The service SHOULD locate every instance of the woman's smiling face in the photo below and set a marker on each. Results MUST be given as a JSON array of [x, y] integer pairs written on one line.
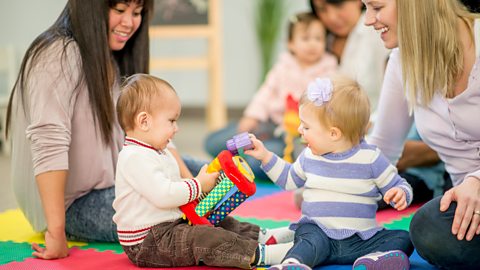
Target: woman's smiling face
[[123, 21], [382, 16]]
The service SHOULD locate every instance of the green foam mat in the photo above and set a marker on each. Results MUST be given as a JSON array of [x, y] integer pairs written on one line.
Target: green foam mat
[[265, 223], [14, 252], [100, 246], [402, 224]]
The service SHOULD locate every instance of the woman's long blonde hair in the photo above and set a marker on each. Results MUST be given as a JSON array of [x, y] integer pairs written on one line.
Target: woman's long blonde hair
[[430, 47]]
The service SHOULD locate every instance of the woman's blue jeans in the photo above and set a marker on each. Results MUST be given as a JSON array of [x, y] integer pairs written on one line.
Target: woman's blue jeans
[[431, 233]]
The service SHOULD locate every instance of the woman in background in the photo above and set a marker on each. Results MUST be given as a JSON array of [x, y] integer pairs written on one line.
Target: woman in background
[[361, 55], [305, 60]]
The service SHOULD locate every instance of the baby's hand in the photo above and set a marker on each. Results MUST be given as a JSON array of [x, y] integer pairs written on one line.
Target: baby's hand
[[259, 151], [396, 197], [207, 180]]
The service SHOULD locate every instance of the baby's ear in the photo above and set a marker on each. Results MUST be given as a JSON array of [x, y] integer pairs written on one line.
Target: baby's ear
[[335, 133], [142, 121]]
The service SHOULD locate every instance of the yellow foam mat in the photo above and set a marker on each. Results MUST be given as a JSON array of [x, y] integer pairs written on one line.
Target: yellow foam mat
[[15, 227]]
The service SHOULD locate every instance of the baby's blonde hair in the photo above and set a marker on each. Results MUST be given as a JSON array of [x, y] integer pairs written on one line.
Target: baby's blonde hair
[[138, 93], [348, 108]]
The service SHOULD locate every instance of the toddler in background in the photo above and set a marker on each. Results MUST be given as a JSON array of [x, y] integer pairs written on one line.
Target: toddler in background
[[343, 177], [305, 60], [149, 192]]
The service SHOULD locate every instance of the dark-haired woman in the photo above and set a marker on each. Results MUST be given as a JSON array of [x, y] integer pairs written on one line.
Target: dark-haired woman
[[361, 54], [62, 119]]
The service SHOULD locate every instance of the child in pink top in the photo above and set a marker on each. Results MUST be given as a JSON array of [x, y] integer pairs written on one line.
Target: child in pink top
[[305, 60]]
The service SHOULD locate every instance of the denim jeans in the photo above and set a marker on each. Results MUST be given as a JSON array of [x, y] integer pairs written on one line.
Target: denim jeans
[[431, 233], [89, 218], [177, 244], [193, 164], [216, 142], [313, 247]]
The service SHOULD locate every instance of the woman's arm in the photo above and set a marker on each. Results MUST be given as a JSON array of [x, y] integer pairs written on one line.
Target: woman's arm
[[184, 171], [247, 124], [51, 93], [51, 186], [416, 154], [393, 119]]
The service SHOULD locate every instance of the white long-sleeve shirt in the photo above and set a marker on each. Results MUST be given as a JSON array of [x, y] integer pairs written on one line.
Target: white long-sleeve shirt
[[450, 126], [148, 190]]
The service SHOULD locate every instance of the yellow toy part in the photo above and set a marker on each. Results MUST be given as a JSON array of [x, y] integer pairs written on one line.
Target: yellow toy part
[[214, 166], [243, 167], [291, 122]]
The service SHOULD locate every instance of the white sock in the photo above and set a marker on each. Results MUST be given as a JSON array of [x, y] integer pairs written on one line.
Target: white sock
[[275, 236], [273, 254]]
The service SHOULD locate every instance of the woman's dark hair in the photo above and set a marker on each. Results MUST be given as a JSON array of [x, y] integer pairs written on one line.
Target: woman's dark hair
[[86, 23], [332, 2], [472, 5]]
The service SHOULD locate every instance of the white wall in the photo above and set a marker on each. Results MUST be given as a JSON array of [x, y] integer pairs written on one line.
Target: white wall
[[23, 20]]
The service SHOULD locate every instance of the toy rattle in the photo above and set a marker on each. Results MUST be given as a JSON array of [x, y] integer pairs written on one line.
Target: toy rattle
[[239, 143], [234, 185]]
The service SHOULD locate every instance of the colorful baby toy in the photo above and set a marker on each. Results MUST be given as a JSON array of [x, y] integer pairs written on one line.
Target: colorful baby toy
[[291, 121], [234, 185]]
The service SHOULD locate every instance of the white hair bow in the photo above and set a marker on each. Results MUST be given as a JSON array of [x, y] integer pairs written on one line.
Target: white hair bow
[[320, 91]]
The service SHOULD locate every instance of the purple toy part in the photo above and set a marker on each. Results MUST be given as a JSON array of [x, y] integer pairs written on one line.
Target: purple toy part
[[239, 141]]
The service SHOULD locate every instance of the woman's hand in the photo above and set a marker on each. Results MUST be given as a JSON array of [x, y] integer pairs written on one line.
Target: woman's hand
[[51, 186], [467, 195], [55, 246], [247, 124]]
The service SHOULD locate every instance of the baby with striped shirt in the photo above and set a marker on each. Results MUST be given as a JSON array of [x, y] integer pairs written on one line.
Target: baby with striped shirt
[[343, 177]]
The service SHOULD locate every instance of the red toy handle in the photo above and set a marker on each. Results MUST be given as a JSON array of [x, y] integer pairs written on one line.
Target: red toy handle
[[236, 170]]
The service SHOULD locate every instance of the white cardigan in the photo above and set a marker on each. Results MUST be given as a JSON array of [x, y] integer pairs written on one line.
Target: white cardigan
[[148, 191], [364, 59]]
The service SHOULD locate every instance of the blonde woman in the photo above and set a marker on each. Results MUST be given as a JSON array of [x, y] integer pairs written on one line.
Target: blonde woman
[[434, 77]]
